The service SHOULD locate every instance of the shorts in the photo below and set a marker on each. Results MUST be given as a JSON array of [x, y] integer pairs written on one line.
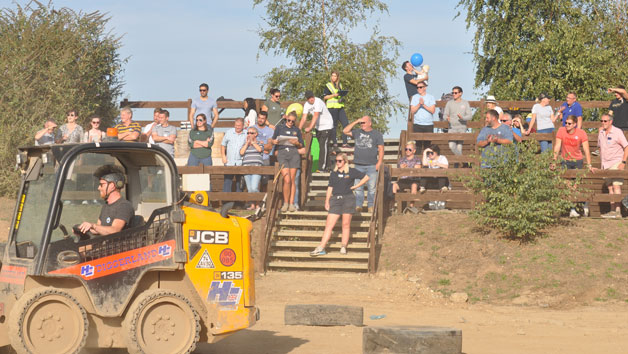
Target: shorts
[[289, 157], [342, 204], [404, 183], [614, 181]]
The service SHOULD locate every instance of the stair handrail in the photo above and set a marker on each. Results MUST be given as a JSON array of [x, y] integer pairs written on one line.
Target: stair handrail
[[306, 170], [273, 202], [376, 224]]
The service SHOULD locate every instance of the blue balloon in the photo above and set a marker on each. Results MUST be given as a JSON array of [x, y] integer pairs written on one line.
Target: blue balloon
[[416, 59]]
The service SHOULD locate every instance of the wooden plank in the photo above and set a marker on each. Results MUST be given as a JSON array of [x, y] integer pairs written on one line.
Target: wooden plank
[[235, 196], [317, 234], [434, 195], [330, 255], [318, 223], [318, 214], [228, 170], [313, 244], [430, 172], [319, 265]]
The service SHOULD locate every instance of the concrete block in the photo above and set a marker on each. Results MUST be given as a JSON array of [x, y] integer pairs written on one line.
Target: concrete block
[[323, 315], [411, 340]]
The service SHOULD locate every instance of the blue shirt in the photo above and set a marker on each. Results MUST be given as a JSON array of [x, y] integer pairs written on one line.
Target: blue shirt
[[234, 142], [422, 116], [264, 134], [574, 110], [493, 150], [206, 107]]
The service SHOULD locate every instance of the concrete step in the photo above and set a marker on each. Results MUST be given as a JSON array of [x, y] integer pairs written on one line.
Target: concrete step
[[317, 234], [312, 244], [363, 266], [329, 255]]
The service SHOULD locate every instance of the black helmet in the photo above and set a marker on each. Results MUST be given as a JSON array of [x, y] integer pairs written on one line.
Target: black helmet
[[111, 173]]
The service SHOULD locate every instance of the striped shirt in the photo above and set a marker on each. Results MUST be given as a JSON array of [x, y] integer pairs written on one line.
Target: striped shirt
[[132, 127], [252, 157]]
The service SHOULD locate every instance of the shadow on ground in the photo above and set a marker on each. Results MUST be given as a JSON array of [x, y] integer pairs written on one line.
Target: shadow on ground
[[252, 341]]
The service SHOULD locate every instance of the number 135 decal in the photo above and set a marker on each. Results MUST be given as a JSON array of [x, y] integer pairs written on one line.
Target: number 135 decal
[[227, 275]]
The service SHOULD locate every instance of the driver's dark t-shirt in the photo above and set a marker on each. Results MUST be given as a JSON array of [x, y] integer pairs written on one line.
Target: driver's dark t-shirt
[[120, 209]]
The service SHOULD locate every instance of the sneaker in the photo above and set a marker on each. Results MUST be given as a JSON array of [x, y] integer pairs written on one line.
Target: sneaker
[[574, 214], [343, 250], [596, 152], [422, 190], [318, 251], [610, 215], [292, 208], [284, 208], [585, 211]]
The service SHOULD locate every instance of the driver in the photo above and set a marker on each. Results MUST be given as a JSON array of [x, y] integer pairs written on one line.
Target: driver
[[117, 213]]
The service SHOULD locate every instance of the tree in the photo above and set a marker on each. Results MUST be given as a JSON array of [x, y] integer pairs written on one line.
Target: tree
[[52, 60], [314, 36], [525, 47]]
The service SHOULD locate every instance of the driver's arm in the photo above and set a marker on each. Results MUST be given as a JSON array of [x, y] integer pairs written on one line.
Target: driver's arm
[[97, 229]]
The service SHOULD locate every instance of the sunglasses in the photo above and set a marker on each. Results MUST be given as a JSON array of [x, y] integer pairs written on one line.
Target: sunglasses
[[409, 149], [605, 120], [200, 120], [421, 86], [341, 160], [455, 92], [277, 96], [95, 122], [504, 120], [251, 133], [203, 90], [430, 152], [290, 120], [362, 122], [568, 123]]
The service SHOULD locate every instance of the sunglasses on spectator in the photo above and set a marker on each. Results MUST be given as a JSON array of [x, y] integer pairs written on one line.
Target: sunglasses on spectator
[[605, 120], [421, 86], [504, 120], [409, 149], [455, 92], [200, 119], [569, 123], [290, 120], [341, 160], [250, 133], [277, 96], [203, 90], [95, 122]]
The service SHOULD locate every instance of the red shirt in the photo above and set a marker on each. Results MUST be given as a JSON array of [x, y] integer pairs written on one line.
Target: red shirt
[[570, 146]]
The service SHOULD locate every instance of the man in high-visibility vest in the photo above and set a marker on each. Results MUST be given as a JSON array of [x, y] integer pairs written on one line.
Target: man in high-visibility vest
[[336, 107]]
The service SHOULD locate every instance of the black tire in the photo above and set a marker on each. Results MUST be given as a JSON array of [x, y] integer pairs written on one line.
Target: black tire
[[47, 320], [161, 321]]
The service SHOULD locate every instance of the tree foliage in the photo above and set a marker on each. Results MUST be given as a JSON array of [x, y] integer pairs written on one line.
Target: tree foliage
[[314, 36], [524, 47], [52, 60], [521, 193]]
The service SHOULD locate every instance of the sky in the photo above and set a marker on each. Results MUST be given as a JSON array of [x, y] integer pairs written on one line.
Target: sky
[[173, 46]]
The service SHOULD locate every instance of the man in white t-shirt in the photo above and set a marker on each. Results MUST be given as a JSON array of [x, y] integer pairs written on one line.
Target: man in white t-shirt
[[322, 119], [147, 131]]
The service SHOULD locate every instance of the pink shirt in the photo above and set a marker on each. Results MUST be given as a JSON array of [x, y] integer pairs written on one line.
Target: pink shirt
[[611, 146]]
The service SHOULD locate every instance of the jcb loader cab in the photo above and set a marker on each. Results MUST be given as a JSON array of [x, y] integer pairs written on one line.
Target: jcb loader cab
[[176, 274]]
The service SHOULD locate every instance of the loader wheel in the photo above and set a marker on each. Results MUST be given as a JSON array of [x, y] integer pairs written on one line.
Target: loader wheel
[[161, 321], [47, 320]]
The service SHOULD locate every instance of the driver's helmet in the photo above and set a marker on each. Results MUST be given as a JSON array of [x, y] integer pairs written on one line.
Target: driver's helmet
[[111, 173]]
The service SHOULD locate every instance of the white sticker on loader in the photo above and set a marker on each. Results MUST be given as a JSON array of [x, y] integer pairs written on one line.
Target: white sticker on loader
[[205, 262]]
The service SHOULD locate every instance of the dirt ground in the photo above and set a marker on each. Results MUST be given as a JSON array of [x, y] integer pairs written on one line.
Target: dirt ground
[[566, 292]]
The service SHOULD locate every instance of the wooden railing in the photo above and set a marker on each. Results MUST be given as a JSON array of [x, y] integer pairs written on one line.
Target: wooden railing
[[306, 168], [376, 224]]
